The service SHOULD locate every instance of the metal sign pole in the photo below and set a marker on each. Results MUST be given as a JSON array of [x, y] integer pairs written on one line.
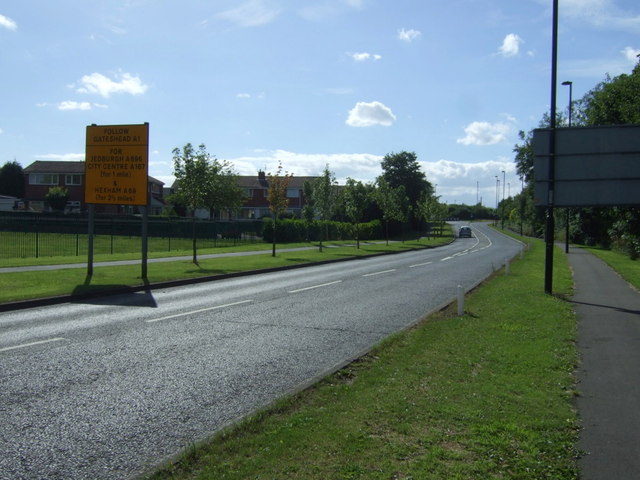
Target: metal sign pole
[[145, 242], [550, 226], [90, 233]]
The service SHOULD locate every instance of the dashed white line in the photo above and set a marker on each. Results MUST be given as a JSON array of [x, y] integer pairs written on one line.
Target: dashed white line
[[314, 286], [446, 258], [420, 264], [183, 314], [31, 344], [378, 273]]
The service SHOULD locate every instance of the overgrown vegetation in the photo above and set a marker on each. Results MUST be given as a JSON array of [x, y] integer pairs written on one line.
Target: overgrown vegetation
[[485, 395]]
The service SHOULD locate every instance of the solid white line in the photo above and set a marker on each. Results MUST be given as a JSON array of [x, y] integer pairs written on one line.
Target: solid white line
[[24, 345], [420, 264], [314, 286], [198, 311], [378, 273]]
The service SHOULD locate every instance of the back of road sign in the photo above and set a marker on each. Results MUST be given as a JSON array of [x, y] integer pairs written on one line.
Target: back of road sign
[[594, 166]]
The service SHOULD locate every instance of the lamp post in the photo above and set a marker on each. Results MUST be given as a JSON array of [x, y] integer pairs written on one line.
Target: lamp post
[[503, 185], [568, 211], [497, 188]]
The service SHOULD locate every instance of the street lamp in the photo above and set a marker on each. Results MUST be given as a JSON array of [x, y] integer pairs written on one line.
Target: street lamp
[[566, 232], [503, 184], [497, 188]]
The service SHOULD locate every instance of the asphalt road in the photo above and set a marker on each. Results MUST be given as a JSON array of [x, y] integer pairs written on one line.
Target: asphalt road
[[108, 388]]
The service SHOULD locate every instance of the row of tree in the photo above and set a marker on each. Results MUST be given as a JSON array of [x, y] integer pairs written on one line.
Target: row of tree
[[614, 101]]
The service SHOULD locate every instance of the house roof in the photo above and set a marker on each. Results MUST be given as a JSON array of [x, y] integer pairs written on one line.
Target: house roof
[[43, 166], [252, 181]]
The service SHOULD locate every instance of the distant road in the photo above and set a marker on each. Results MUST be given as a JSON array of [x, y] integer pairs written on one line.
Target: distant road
[[108, 388]]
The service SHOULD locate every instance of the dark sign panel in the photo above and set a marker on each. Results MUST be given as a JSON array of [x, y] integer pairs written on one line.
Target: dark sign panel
[[594, 166]]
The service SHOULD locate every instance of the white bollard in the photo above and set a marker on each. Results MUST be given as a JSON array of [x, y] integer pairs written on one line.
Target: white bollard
[[460, 300]]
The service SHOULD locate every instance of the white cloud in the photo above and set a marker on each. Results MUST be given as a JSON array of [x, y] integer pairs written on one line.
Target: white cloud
[[1, 131], [408, 35], [65, 157], [510, 45], [243, 95], [71, 105], [631, 54], [485, 133], [99, 84], [250, 14], [370, 114], [603, 14], [7, 23], [364, 56]]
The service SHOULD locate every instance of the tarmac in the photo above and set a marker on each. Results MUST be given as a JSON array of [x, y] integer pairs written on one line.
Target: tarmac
[[608, 376]]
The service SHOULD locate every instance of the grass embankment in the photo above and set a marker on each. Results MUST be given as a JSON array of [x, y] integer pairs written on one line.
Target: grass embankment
[[621, 263], [38, 284], [485, 395]]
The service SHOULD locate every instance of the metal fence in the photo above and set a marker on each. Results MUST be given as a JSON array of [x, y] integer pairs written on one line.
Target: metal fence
[[25, 236]]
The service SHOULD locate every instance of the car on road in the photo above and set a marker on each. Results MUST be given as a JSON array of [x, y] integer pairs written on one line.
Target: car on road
[[465, 231]]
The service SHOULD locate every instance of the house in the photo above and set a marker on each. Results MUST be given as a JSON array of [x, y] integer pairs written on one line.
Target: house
[[41, 175], [256, 204]]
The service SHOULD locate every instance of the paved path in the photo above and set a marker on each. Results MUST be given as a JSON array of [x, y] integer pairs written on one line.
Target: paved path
[[608, 311]]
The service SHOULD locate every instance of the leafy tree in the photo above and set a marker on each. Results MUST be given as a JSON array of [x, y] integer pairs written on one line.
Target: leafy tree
[[403, 169], [191, 169], [277, 197], [355, 201], [12, 180], [57, 198], [390, 201], [612, 102], [221, 190], [324, 197], [308, 210], [432, 211]]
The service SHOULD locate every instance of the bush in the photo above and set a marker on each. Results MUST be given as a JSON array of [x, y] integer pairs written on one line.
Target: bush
[[292, 230]]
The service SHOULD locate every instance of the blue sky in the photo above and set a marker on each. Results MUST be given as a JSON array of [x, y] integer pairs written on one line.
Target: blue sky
[[305, 82]]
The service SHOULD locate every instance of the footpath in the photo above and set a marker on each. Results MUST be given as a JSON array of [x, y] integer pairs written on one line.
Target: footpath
[[608, 312]]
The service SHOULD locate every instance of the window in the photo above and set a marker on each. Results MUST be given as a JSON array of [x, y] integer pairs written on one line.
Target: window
[[43, 179], [75, 179], [293, 193]]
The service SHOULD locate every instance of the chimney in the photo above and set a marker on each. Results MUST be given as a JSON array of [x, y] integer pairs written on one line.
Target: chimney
[[261, 175]]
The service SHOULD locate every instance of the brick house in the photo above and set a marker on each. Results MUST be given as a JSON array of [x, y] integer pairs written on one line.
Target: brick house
[[41, 175], [256, 204]]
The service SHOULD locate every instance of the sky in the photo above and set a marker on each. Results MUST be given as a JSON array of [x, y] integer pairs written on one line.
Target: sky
[[307, 83]]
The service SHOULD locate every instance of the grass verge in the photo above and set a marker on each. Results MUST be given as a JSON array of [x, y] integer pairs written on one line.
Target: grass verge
[[16, 286], [485, 395], [621, 263]]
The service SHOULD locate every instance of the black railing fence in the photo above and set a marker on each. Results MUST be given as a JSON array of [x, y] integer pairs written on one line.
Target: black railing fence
[[29, 235]]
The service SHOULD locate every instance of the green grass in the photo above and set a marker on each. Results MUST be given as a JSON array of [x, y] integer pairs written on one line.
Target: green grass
[[621, 263], [30, 285], [488, 395]]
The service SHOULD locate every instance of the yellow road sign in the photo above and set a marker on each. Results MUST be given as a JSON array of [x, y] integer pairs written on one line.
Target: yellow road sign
[[117, 164]]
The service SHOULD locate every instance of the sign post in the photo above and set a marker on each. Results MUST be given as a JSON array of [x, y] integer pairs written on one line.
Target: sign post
[[116, 173]]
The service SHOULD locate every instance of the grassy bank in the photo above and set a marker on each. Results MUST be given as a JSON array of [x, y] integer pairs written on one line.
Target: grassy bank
[[621, 263], [37, 284], [483, 395]]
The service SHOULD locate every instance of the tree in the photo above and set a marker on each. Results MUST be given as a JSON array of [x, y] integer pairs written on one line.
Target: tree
[[221, 190], [191, 169], [390, 201], [355, 202], [277, 197], [12, 180], [309, 209], [403, 169], [324, 197], [57, 198]]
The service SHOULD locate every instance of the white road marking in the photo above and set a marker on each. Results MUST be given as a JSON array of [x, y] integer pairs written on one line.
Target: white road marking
[[420, 264], [446, 258], [31, 344], [183, 314], [378, 273], [314, 286]]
